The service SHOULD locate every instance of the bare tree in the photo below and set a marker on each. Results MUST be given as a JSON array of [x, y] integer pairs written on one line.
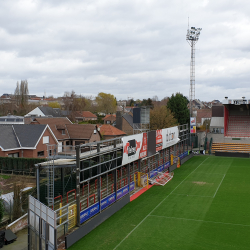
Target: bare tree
[[22, 94]]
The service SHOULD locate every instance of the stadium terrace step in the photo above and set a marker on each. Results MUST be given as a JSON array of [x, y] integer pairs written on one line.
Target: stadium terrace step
[[230, 147]]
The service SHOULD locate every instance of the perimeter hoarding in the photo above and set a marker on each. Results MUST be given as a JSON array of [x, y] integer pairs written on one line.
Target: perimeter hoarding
[[134, 147]]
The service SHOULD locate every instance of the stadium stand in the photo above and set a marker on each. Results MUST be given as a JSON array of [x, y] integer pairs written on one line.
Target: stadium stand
[[238, 126], [230, 147]]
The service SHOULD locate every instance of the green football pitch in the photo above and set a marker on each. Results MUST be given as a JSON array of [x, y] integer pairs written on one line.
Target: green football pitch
[[205, 206]]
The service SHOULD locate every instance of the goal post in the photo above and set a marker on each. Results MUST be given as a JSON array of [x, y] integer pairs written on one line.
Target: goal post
[[142, 179], [162, 178]]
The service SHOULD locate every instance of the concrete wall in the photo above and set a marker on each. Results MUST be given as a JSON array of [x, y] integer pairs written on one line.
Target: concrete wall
[[19, 224], [220, 138]]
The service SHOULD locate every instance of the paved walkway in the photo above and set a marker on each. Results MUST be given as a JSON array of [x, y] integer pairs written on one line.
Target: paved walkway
[[20, 243]]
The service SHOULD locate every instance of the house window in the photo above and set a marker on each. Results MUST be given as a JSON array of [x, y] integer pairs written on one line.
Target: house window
[[63, 132], [40, 153], [15, 155], [108, 122], [45, 139]]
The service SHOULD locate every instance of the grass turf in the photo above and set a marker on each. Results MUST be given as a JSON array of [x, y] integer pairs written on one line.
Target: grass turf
[[205, 206]]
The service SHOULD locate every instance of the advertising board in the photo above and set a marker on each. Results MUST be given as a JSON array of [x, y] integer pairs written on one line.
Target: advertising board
[[89, 212], [134, 147], [121, 192], [170, 136], [159, 140]]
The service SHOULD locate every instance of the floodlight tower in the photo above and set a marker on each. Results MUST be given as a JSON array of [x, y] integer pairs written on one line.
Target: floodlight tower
[[192, 38]]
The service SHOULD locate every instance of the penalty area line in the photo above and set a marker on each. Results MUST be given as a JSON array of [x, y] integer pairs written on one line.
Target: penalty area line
[[156, 207]]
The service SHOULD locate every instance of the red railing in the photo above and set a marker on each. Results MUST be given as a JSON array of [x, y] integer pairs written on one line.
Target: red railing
[[111, 176], [103, 191], [93, 195], [87, 185], [57, 198], [96, 182], [73, 190]]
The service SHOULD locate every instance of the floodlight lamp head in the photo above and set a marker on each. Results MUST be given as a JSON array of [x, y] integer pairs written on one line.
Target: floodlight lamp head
[[193, 34]]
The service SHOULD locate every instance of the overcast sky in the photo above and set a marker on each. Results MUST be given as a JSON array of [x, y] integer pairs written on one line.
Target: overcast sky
[[132, 48]]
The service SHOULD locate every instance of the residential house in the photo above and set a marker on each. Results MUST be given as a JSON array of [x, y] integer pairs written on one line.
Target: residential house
[[80, 116], [26, 140], [124, 122], [109, 132], [11, 119], [202, 115], [44, 111], [69, 134], [83, 133], [109, 119]]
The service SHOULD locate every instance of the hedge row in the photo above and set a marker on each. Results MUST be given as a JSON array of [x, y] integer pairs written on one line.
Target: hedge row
[[19, 164]]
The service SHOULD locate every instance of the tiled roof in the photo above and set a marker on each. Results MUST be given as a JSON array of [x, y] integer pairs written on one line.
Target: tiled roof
[[8, 138], [129, 119], [108, 129], [28, 134], [48, 111], [107, 117], [20, 135], [56, 124], [86, 114], [80, 131]]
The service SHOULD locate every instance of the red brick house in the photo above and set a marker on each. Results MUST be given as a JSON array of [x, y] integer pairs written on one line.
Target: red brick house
[[109, 119], [109, 132], [26, 140], [80, 116], [202, 115], [124, 122], [69, 134]]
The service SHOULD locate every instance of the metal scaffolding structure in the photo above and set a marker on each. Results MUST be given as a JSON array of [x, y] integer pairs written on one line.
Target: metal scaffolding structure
[[81, 182], [144, 124]]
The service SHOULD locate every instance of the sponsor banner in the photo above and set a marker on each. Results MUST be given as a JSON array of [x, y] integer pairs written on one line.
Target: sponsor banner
[[107, 201], [193, 129], [89, 212], [159, 140], [167, 165], [170, 136], [153, 173], [121, 192], [192, 121], [183, 155], [144, 148], [134, 147], [131, 186], [192, 125], [160, 168]]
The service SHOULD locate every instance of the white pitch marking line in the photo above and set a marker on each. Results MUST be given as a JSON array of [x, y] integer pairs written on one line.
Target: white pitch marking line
[[209, 173], [207, 221], [219, 185], [193, 195], [156, 207]]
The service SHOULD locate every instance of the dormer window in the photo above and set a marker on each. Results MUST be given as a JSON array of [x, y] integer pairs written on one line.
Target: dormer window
[[63, 131]]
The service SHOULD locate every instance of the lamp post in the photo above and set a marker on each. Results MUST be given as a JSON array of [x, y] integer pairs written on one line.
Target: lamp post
[[192, 38]]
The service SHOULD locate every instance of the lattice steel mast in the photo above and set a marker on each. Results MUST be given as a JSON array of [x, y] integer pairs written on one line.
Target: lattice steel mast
[[192, 38]]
